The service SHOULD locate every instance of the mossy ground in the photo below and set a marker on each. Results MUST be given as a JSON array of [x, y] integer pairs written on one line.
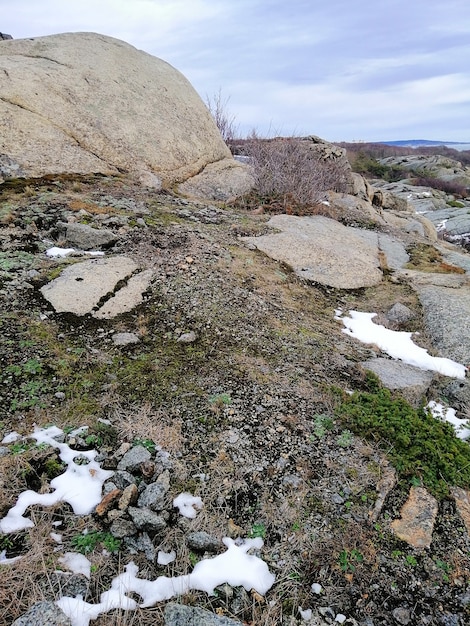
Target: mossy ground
[[251, 404]]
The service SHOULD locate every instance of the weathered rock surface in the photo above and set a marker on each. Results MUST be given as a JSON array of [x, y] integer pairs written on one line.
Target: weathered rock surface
[[183, 615], [321, 250], [433, 165], [43, 613], [83, 103], [82, 286], [87, 238], [462, 502], [446, 314], [397, 375], [418, 515]]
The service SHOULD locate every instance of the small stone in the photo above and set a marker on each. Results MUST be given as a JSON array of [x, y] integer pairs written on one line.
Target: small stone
[[184, 615], [60, 395], [337, 499], [146, 519], [462, 502], [203, 542], [141, 543], [187, 337], [132, 460], [129, 497], [402, 615], [107, 502], [147, 469], [124, 339], [121, 528], [122, 479], [153, 497], [400, 314], [418, 515], [43, 613]]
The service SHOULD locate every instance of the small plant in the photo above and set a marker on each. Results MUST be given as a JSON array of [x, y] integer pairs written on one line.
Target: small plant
[[349, 559], [418, 444], [221, 399], [345, 439], [148, 444], [258, 530], [410, 560], [321, 425], [193, 558], [86, 543], [445, 569]]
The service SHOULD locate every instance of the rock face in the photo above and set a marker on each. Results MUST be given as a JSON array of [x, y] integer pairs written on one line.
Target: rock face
[[432, 165], [321, 250], [86, 103], [418, 515]]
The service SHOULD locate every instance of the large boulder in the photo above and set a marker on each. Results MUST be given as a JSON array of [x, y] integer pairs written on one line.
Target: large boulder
[[433, 166], [87, 103]]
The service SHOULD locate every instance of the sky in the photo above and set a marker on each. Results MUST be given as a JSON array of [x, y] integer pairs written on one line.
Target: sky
[[370, 70]]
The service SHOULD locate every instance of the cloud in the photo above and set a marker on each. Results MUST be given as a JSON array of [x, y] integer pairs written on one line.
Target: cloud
[[343, 70]]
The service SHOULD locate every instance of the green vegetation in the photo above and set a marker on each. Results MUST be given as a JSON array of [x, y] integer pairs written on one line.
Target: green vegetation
[[258, 530], [349, 559], [86, 543], [418, 444]]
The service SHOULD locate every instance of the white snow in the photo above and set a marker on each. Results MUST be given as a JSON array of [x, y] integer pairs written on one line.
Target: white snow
[[57, 253], [80, 485], [340, 618], [187, 504], [305, 614], [163, 558], [398, 345], [56, 537], [11, 437], [76, 563], [316, 588], [4, 560], [235, 567], [461, 426]]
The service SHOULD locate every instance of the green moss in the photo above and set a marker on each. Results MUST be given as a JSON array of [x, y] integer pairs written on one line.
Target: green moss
[[418, 444]]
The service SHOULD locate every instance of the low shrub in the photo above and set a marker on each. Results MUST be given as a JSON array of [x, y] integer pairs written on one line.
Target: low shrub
[[418, 444], [448, 186], [290, 177]]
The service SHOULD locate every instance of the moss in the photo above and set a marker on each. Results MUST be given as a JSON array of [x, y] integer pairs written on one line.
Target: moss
[[426, 258], [418, 444]]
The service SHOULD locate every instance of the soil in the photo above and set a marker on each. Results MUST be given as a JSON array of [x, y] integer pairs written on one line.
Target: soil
[[246, 411]]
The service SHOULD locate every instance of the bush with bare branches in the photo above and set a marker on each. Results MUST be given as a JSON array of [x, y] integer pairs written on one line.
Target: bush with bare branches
[[225, 122], [291, 175]]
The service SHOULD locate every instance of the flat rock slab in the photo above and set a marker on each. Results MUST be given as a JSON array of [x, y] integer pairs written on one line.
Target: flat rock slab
[[82, 286], [397, 375], [447, 319], [418, 515], [322, 250], [462, 502], [126, 298]]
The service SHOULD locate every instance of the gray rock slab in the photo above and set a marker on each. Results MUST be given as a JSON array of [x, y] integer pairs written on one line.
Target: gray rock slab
[[87, 238], [81, 286], [322, 250], [392, 248], [397, 375], [43, 613], [184, 615], [127, 297], [447, 319]]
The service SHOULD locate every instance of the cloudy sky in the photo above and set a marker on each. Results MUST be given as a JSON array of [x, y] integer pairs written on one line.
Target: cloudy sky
[[365, 70]]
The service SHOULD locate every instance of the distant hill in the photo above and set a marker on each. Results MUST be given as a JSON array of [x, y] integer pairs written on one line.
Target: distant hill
[[414, 143]]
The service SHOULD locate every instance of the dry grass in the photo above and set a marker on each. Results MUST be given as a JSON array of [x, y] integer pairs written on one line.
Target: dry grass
[[146, 422]]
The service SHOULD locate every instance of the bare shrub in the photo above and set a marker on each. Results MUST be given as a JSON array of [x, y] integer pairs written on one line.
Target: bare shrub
[[218, 108], [291, 176], [448, 186]]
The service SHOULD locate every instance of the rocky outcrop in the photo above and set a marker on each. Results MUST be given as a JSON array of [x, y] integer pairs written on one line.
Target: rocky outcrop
[[321, 250], [86, 103], [434, 165], [4, 36]]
